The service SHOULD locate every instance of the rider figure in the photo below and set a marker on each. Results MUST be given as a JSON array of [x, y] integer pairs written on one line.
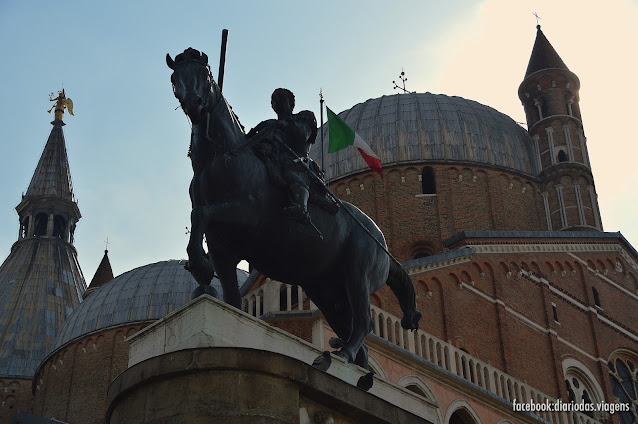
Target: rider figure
[[298, 131]]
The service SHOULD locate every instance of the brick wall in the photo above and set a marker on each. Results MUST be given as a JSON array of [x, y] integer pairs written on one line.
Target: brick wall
[[72, 383], [467, 198], [15, 395], [500, 308]]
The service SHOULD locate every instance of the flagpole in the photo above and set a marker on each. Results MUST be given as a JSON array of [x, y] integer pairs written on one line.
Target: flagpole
[[323, 168]]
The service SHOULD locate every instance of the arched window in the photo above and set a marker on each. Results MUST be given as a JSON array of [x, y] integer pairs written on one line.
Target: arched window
[[41, 220], [416, 389], [253, 311], [562, 156], [623, 372], [421, 254], [596, 297], [461, 416], [581, 385], [428, 181], [24, 227], [59, 226], [283, 297], [577, 393], [421, 249]]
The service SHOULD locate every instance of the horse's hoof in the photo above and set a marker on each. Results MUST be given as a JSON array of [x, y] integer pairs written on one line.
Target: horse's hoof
[[345, 354], [204, 289], [365, 382], [323, 361], [336, 343], [411, 322]]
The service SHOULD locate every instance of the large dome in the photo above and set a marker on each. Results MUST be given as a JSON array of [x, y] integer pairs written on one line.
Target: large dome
[[418, 127], [146, 293]]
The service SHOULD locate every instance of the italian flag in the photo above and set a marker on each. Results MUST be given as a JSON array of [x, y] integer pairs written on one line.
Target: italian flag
[[341, 135]]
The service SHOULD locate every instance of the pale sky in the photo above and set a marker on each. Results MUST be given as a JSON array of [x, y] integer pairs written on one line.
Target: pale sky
[[127, 144]]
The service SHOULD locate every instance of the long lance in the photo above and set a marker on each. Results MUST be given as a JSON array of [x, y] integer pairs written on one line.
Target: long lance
[[338, 201], [222, 60], [323, 169]]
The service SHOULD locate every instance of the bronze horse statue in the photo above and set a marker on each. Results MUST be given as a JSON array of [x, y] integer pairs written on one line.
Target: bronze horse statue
[[239, 212]]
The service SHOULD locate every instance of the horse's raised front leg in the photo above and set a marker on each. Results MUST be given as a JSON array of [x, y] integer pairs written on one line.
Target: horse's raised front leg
[[198, 263]]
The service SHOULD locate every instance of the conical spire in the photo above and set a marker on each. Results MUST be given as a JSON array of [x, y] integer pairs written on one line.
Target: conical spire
[[52, 176], [543, 55], [103, 275]]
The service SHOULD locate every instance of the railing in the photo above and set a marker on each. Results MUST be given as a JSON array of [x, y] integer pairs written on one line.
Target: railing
[[469, 368], [277, 297]]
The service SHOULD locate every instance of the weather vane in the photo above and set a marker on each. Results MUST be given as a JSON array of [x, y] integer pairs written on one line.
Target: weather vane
[[403, 80], [107, 244], [537, 18], [60, 103]]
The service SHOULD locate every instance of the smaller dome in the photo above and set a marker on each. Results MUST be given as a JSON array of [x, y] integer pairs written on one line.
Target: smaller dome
[[149, 292]]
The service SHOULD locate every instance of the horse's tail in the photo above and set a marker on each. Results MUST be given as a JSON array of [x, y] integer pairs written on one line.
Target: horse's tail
[[401, 285]]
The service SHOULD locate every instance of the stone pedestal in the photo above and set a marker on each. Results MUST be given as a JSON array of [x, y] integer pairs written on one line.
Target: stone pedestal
[[210, 363]]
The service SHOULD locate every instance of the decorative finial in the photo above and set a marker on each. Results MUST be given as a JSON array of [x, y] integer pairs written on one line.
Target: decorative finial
[[537, 19], [60, 103], [107, 239], [403, 80]]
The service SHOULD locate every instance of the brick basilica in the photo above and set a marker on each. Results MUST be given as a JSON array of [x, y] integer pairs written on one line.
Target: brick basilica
[[525, 297]]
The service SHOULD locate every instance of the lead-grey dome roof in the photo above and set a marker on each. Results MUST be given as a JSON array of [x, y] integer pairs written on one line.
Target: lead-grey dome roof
[[418, 127], [146, 293]]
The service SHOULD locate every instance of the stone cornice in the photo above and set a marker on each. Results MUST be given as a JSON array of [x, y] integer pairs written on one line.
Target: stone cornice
[[549, 247], [563, 118], [442, 260]]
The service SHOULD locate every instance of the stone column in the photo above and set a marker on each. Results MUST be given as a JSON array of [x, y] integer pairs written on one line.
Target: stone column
[[550, 142]]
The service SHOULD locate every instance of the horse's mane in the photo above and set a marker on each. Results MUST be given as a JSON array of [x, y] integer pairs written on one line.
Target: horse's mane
[[194, 55]]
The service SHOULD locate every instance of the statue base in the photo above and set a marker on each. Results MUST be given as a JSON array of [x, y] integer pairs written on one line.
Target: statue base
[[210, 362]]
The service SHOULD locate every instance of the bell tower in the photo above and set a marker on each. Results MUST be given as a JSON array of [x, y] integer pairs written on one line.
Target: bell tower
[[41, 281], [549, 93]]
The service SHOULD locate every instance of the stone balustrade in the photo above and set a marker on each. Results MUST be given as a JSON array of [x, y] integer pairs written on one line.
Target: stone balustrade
[[276, 297]]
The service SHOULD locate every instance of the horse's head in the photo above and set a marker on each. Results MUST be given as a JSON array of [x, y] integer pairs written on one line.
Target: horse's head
[[193, 83]]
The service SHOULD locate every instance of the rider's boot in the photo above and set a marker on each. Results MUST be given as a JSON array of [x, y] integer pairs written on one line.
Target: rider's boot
[[298, 209]]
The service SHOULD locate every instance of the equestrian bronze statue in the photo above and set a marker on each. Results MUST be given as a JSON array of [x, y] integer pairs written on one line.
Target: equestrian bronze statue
[[339, 260]]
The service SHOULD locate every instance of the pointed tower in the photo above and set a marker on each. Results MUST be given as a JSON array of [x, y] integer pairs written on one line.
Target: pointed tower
[[40, 281], [103, 275], [549, 93]]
